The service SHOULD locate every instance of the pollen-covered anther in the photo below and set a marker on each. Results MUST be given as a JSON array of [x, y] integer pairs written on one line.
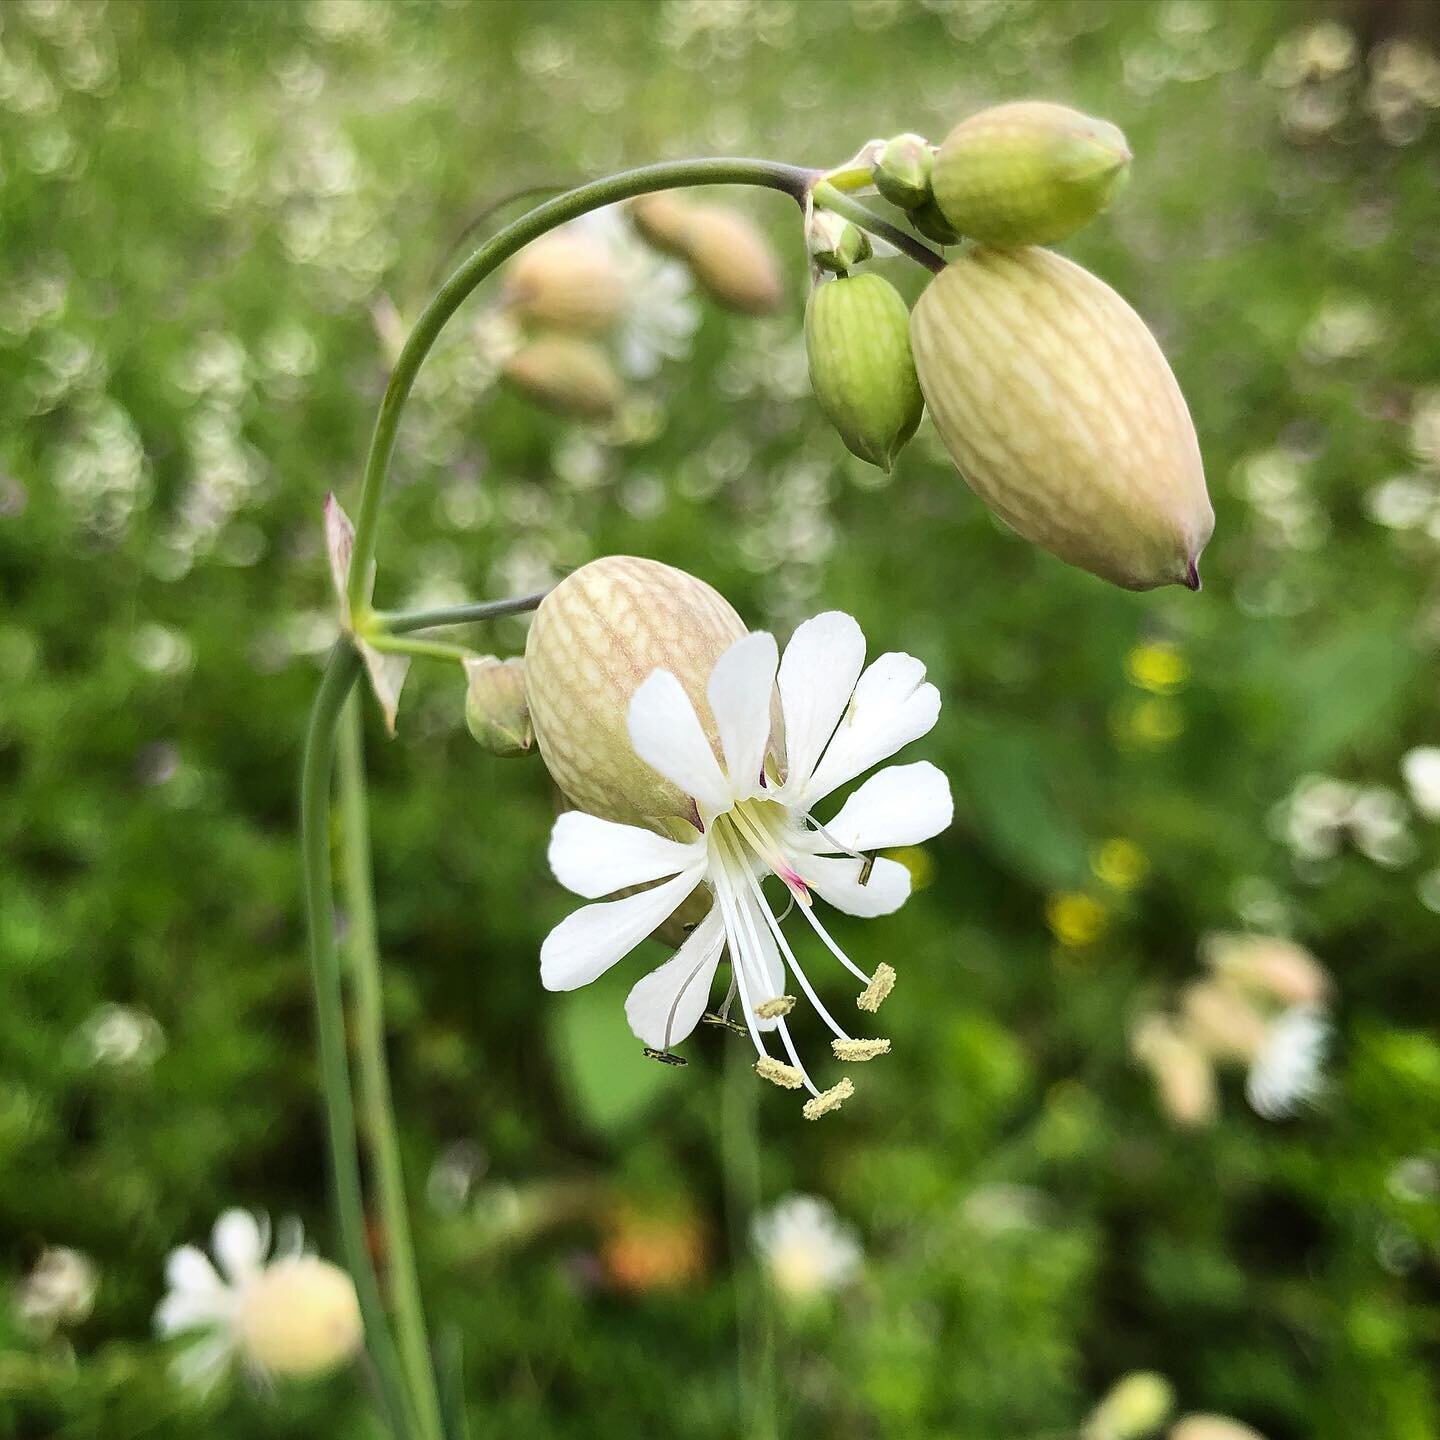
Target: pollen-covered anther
[[881, 984], [777, 1072], [774, 1009], [828, 1100], [857, 1050]]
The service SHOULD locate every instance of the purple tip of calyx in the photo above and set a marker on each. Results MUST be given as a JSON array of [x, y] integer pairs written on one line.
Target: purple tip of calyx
[[1192, 576]]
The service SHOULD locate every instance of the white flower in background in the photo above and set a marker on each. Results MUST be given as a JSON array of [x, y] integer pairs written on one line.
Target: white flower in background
[[59, 1290], [1323, 814], [1421, 769], [1287, 1072], [120, 1037], [287, 1314], [806, 1249], [748, 824]]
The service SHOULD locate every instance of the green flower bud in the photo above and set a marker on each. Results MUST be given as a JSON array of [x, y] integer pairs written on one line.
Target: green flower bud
[[902, 171], [928, 220], [495, 710], [1029, 173], [836, 244], [1137, 1405], [857, 334], [568, 376], [1057, 406]]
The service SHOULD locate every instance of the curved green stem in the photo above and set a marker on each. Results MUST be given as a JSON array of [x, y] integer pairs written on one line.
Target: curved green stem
[[402, 622], [858, 213], [376, 1110], [792, 180], [340, 674]]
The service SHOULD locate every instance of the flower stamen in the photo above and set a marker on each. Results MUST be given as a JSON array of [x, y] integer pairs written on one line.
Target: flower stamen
[[857, 1050], [774, 1009], [878, 988], [832, 1099]]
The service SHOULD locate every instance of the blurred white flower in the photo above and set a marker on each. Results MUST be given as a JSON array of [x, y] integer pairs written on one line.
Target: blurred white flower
[[59, 1290], [1322, 814], [287, 1314], [1287, 1073], [806, 1249], [1421, 769], [120, 1037]]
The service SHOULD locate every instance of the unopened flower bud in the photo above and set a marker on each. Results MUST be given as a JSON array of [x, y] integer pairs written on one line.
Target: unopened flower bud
[[902, 171], [1061, 413], [299, 1318], [857, 335], [928, 220], [1028, 173], [595, 638], [565, 375], [1211, 1427], [732, 260], [662, 220], [836, 244], [565, 280], [495, 704], [1136, 1406]]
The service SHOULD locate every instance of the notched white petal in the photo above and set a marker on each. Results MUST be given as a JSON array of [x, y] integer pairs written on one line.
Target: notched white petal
[[665, 1006], [817, 674], [838, 883], [594, 857], [902, 805], [739, 691], [667, 736], [240, 1241]]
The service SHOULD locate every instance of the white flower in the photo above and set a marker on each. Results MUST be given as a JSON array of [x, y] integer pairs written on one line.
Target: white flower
[[59, 1290], [289, 1313], [1287, 1072], [1421, 769], [807, 1250], [749, 824]]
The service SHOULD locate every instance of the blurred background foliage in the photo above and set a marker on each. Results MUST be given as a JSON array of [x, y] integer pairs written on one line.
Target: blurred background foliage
[[214, 217]]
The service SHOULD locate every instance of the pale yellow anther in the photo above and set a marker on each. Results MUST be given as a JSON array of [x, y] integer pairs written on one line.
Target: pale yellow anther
[[777, 1072], [859, 1049], [879, 987], [828, 1100], [774, 1009]]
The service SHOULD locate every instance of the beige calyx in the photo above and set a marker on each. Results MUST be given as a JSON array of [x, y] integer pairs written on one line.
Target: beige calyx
[[828, 1100], [857, 1050], [881, 984]]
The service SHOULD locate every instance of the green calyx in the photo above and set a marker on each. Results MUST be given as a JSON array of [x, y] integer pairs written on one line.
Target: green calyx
[[1029, 173], [496, 713], [857, 336], [902, 171]]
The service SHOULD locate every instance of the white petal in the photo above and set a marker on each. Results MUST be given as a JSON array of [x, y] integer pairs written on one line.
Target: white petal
[[595, 857], [587, 943], [189, 1268], [765, 968], [239, 1242], [666, 734], [339, 543], [899, 806], [892, 706], [817, 676], [667, 1004], [838, 882], [190, 1309], [740, 689]]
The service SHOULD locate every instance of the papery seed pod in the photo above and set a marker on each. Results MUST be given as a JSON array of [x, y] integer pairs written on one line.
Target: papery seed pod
[[565, 375], [662, 220], [1061, 413], [902, 171], [834, 243], [1136, 1406], [928, 220], [1028, 173], [299, 1317], [1211, 1427], [732, 260], [857, 335], [495, 710], [567, 281], [595, 638]]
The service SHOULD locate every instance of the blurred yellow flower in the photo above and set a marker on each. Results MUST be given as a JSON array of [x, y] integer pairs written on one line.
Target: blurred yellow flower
[[916, 859], [1121, 864], [1157, 666], [1149, 725], [1075, 919]]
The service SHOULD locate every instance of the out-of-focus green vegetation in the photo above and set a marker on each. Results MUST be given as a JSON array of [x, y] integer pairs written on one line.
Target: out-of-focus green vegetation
[[210, 216]]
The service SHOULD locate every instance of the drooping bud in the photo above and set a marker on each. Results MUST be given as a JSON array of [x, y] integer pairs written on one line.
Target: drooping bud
[[662, 220], [902, 171], [1211, 1427], [565, 375], [1028, 173], [1061, 413], [857, 335], [732, 260], [495, 709], [299, 1318], [595, 638], [565, 280], [1136, 1406], [928, 220], [834, 243]]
